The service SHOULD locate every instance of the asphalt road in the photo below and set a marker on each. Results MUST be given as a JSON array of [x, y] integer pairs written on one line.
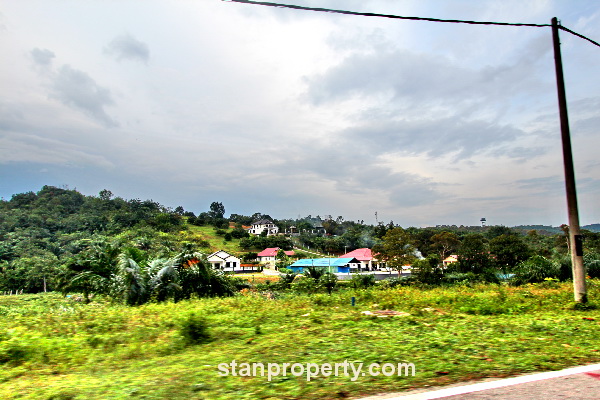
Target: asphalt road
[[579, 383]]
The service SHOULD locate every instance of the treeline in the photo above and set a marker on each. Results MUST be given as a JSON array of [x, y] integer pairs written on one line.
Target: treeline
[[49, 237], [57, 237]]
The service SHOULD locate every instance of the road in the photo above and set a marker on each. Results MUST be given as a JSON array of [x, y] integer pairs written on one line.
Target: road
[[578, 383]]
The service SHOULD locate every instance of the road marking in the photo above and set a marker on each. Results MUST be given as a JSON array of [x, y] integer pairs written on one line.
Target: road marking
[[436, 394]]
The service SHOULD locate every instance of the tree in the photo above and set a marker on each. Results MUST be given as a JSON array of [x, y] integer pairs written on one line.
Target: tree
[[282, 259], [217, 209], [130, 283], [473, 254], [508, 251], [396, 248], [105, 194], [445, 243], [535, 269], [427, 271], [498, 230]]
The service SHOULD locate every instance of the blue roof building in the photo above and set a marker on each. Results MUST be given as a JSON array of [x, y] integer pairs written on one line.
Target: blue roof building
[[335, 265]]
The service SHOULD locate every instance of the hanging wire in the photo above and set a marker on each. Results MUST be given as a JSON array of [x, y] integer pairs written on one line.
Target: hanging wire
[[579, 35], [455, 21], [364, 14]]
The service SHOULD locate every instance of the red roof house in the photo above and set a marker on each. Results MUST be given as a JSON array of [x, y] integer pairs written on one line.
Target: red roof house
[[270, 254], [365, 256]]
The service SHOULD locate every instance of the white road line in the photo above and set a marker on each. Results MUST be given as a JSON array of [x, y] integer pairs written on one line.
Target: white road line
[[436, 394]]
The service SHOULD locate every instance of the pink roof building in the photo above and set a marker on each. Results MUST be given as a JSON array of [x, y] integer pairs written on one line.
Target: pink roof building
[[360, 254], [365, 256], [269, 255]]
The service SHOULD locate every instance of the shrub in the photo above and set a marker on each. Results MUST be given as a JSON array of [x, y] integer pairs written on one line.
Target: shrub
[[285, 280], [534, 270], [592, 264], [194, 329], [304, 284], [393, 282], [362, 281], [426, 271], [328, 281]]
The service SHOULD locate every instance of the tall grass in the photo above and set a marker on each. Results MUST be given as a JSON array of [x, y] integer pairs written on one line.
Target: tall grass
[[55, 346]]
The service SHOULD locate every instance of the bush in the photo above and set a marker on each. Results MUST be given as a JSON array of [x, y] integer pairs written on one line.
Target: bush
[[426, 271], [285, 280], [305, 284], [328, 281], [592, 264], [535, 270], [393, 282], [461, 278], [362, 281], [194, 330]]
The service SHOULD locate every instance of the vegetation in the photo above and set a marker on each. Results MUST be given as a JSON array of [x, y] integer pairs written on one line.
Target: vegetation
[[54, 347], [143, 315]]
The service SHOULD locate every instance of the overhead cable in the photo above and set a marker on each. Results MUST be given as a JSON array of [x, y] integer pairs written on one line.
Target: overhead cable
[[364, 14], [577, 34]]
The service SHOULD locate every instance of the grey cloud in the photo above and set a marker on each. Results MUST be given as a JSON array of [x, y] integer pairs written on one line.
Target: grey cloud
[[434, 137], [20, 147], [358, 172], [126, 47], [548, 185], [77, 89], [428, 80], [42, 57]]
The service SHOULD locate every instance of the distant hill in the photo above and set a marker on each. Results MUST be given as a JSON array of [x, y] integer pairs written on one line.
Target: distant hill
[[539, 228], [592, 227], [554, 229]]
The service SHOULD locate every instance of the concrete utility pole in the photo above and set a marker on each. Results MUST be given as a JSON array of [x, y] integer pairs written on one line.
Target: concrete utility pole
[[575, 238]]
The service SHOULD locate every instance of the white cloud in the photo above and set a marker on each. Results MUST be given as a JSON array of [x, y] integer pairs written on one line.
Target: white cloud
[[126, 47]]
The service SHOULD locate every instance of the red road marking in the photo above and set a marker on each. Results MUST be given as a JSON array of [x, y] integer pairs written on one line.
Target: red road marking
[[593, 375]]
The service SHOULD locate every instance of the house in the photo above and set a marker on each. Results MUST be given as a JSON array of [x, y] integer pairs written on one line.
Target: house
[[269, 255], [365, 256], [263, 225], [449, 260], [224, 261], [335, 265]]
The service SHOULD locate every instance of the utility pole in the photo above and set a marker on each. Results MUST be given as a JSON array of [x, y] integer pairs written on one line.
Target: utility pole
[[575, 238]]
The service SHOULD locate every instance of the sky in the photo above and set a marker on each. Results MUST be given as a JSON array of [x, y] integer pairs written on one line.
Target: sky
[[293, 113]]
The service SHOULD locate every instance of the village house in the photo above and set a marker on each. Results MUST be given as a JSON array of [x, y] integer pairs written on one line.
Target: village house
[[263, 225], [224, 261], [269, 255], [365, 256], [449, 260]]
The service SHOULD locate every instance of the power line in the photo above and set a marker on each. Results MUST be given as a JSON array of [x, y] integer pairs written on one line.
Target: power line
[[577, 34], [455, 21]]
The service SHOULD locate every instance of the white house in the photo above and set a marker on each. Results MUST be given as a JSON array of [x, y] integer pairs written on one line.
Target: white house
[[269, 255], [262, 225], [224, 261]]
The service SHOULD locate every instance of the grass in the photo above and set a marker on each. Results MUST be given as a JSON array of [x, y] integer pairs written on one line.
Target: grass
[[56, 348], [216, 242]]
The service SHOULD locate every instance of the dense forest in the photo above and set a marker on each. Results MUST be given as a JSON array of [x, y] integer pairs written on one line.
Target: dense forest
[[60, 239]]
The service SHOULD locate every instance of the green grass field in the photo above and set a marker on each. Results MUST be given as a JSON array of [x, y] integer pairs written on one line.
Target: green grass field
[[57, 348], [216, 242]]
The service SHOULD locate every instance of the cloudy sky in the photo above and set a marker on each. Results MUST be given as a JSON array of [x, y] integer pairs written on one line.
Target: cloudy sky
[[292, 113]]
